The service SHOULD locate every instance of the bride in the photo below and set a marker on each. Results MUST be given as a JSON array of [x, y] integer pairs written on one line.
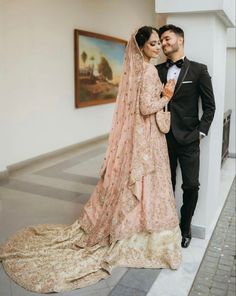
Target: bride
[[131, 219]]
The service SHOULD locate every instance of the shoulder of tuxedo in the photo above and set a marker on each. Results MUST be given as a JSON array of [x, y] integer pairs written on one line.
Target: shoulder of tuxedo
[[194, 63]]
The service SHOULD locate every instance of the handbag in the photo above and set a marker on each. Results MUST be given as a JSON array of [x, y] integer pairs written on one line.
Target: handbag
[[163, 120]]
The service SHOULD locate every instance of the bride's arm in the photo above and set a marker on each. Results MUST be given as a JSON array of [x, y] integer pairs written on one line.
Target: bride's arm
[[150, 101]]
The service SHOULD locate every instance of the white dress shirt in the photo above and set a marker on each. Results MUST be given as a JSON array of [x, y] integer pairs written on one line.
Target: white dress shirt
[[173, 72]]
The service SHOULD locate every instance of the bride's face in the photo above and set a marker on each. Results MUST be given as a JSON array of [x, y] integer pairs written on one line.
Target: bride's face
[[152, 47]]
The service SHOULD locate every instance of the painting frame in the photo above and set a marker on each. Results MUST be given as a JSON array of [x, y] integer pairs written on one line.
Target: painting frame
[[86, 84]]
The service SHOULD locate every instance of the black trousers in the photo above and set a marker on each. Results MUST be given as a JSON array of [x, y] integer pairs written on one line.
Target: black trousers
[[188, 157]]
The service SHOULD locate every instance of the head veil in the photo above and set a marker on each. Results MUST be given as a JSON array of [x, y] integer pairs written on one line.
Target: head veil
[[128, 158], [128, 152]]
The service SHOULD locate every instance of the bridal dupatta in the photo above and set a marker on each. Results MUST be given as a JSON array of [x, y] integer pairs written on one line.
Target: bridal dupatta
[[128, 159]]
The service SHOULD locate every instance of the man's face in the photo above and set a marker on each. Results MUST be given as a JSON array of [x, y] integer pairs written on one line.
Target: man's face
[[171, 42]]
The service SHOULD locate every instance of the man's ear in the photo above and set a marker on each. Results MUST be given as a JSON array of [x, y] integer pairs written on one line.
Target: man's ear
[[181, 40]]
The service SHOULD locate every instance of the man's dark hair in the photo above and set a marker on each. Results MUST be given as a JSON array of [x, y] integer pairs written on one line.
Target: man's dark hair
[[172, 28], [144, 34]]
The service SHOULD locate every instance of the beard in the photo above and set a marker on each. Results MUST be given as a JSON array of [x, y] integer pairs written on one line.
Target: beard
[[171, 49]]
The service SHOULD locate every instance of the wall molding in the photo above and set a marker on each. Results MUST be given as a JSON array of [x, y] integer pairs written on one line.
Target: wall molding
[[4, 177], [198, 231]]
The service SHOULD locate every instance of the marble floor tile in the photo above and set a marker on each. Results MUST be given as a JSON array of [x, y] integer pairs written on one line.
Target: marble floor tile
[[21, 209], [121, 290], [116, 275], [5, 283], [48, 191], [78, 178], [99, 289], [88, 168], [80, 158], [139, 278], [82, 292]]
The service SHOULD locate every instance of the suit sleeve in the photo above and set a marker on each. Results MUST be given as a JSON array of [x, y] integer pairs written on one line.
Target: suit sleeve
[[208, 101], [150, 101]]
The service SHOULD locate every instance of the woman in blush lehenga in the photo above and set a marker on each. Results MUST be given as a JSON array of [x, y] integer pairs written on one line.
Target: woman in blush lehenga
[[130, 219]]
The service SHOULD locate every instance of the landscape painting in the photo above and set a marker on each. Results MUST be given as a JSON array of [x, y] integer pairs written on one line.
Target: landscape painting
[[98, 66]]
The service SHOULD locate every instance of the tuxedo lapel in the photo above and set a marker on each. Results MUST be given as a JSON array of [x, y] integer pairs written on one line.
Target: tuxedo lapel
[[182, 75], [163, 73]]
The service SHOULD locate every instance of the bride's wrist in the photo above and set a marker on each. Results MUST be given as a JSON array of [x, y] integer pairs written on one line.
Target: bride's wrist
[[167, 98], [167, 94]]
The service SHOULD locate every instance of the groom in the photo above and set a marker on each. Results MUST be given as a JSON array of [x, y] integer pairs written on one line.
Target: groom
[[192, 82]]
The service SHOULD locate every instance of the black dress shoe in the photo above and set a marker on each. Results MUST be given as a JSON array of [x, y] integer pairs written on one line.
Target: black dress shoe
[[186, 239]]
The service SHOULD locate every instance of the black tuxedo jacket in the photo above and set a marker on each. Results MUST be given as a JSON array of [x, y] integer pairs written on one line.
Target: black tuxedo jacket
[[194, 82]]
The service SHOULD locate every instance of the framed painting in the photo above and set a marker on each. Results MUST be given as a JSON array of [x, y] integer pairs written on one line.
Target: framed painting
[[98, 66]]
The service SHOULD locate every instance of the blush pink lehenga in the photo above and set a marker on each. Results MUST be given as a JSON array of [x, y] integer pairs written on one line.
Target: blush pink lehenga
[[130, 219]]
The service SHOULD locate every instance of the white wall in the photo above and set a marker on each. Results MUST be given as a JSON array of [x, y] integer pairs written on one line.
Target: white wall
[[37, 113], [230, 89], [214, 150], [225, 9]]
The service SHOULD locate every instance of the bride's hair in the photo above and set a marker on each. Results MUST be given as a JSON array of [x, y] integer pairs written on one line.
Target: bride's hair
[[144, 34]]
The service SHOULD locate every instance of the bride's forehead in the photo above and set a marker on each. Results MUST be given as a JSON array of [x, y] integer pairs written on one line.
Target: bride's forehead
[[154, 36]]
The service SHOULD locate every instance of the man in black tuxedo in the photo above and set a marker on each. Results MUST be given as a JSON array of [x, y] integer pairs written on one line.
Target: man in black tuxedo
[[192, 82]]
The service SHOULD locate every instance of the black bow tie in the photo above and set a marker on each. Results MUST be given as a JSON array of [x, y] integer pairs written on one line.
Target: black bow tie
[[170, 63]]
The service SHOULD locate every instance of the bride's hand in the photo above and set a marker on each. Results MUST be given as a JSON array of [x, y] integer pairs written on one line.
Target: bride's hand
[[168, 89]]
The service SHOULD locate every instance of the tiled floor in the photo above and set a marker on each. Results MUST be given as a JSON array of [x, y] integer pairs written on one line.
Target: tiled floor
[[55, 192]]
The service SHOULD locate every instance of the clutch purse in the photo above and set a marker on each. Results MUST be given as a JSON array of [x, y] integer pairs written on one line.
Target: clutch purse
[[163, 120]]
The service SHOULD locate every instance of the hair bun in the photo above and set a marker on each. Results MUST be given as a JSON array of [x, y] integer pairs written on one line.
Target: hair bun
[[144, 34]]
